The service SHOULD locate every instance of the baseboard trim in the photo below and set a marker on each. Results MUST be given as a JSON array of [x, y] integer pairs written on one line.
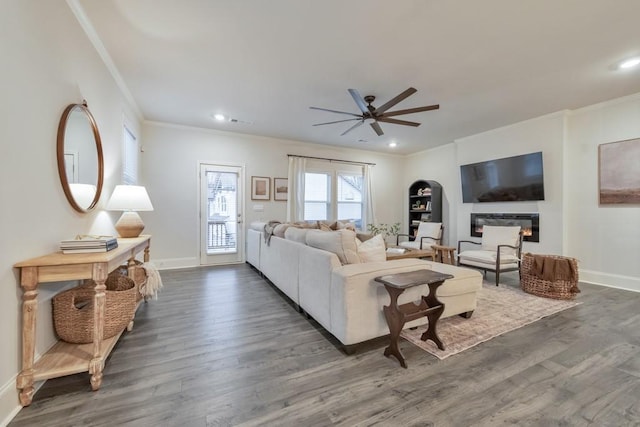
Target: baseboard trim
[[173, 263], [9, 403], [609, 280]]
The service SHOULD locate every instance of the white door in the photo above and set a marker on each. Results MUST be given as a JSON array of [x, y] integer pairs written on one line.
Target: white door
[[222, 239]]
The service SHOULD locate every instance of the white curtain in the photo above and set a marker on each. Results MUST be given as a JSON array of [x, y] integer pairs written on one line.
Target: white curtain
[[295, 194], [368, 216]]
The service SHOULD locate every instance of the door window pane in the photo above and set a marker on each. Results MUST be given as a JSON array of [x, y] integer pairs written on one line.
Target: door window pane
[[222, 212]]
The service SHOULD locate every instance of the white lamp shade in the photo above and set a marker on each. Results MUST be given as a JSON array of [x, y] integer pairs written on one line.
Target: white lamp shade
[[129, 198]]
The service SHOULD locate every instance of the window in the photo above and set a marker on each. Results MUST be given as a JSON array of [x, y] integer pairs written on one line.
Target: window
[[333, 192]]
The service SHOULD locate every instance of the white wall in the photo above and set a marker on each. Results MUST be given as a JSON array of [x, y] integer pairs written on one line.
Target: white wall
[[544, 134], [442, 164], [48, 63], [604, 238], [170, 166], [437, 164]]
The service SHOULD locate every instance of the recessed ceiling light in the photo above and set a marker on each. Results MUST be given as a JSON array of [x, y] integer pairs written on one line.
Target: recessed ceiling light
[[393, 144], [629, 63], [219, 117]]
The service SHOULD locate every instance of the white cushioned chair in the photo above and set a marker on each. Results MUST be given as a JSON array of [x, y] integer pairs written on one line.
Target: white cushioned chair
[[429, 233], [499, 251]]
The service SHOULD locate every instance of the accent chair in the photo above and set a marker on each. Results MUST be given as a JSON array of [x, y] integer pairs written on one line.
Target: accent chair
[[500, 250], [429, 233]]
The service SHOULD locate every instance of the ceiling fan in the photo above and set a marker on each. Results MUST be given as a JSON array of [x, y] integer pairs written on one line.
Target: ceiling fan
[[375, 115]]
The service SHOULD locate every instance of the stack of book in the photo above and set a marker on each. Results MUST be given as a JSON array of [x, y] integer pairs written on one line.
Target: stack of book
[[88, 244]]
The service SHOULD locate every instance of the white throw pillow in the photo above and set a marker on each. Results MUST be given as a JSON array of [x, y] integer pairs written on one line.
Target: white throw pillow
[[372, 250], [492, 236], [340, 242]]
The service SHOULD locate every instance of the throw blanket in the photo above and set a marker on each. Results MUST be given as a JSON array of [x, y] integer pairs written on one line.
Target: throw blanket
[[154, 281], [268, 230], [551, 269]]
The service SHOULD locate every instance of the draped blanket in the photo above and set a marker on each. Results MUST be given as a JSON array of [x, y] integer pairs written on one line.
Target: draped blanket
[[268, 230], [550, 269], [154, 281]]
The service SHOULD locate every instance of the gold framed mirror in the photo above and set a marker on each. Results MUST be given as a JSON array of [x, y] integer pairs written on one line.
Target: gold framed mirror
[[80, 161]]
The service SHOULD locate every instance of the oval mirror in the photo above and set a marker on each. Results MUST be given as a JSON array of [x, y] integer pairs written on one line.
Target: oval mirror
[[80, 162]]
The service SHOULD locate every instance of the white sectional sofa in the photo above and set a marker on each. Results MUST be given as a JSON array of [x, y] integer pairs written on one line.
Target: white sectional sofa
[[345, 299]]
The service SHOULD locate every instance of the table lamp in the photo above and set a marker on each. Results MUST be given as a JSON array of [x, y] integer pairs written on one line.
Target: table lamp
[[130, 199]]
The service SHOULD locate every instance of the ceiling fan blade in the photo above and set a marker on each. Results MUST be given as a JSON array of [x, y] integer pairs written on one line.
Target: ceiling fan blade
[[410, 110], [362, 105], [377, 128], [337, 121], [384, 107], [398, 122], [352, 128], [334, 111]]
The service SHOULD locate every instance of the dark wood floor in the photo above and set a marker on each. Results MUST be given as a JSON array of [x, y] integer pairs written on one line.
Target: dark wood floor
[[222, 347]]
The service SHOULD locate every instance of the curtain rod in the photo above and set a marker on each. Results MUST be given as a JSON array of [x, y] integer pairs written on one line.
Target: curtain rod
[[331, 160]]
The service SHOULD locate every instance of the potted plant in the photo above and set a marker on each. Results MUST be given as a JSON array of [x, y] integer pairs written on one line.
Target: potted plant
[[388, 231]]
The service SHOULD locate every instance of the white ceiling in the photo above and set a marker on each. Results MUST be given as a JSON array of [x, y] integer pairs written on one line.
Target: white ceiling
[[487, 63]]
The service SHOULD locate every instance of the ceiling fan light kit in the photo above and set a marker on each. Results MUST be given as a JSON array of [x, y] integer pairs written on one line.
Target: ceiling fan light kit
[[374, 115]]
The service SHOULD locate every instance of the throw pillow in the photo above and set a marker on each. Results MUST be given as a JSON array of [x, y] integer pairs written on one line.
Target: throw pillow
[[324, 227], [373, 249], [340, 242]]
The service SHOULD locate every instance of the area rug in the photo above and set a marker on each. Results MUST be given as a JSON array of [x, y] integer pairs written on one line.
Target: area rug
[[500, 310]]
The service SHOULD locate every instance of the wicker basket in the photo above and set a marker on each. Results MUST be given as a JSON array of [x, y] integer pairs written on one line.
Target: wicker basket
[[139, 277], [73, 310], [557, 289]]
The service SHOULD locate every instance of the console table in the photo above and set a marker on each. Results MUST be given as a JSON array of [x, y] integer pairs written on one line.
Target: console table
[[397, 315], [66, 358]]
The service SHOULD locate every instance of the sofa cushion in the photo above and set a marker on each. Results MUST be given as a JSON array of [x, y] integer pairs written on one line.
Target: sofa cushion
[[296, 234], [487, 257], [340, 242], [372, 250], [257, 225]]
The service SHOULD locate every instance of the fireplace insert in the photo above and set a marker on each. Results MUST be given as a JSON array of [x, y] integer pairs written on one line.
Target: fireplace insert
[[530, 223]]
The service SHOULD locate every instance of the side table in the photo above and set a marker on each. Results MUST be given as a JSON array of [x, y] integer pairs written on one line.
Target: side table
[[397, 315], [444, 254]]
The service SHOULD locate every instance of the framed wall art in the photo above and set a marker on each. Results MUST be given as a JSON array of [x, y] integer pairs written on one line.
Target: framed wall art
[[280, 189], [260, 188], [619, 172]]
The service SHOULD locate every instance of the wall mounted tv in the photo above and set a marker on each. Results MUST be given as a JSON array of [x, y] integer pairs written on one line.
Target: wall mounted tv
[[510, 179]]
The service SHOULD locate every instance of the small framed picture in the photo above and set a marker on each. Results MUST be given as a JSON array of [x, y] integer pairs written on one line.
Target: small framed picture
[[260, 188], [280, 189]]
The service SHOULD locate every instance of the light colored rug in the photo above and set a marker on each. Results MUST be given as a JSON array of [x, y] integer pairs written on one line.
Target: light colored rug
[[500, 310]]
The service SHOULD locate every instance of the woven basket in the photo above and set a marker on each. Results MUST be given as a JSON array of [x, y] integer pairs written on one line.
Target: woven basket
[[139, 277], [557, 289], [73, 310]]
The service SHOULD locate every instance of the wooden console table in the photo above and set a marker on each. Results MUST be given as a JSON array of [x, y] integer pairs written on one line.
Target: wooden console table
[[66, 358], [397, 315]]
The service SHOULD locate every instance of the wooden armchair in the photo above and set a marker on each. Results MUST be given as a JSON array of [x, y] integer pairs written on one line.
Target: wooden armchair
[[429, 233], [500, 250]]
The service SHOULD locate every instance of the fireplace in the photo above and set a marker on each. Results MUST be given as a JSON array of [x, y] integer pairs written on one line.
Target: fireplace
[[530, 223]]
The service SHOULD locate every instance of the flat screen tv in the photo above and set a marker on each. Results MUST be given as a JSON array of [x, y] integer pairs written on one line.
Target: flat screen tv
[[510, 179]]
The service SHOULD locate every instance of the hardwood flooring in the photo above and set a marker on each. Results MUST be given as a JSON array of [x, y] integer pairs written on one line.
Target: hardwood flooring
[[222, 347]]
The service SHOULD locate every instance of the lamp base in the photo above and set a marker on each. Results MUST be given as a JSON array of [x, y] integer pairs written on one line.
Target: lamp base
[[130, 224]]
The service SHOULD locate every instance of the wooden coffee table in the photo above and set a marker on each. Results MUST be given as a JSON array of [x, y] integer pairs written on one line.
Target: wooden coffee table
[[412, 253], [397, 315]]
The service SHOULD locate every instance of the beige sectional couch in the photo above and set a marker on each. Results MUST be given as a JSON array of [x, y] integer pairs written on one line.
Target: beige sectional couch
[[345, 299]]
